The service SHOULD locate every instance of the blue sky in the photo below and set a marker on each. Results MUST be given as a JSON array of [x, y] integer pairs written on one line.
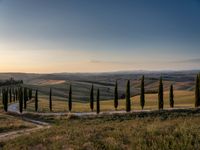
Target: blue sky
[[99, 35]]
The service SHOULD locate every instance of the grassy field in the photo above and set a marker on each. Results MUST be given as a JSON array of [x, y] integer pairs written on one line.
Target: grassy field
[[10, 123], [158, 130], [183, 99]]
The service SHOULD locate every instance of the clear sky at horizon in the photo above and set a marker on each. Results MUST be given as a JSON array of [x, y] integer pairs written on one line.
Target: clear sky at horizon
[[99, 35]]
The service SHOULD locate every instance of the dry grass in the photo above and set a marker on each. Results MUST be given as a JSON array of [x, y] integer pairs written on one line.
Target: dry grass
[[176, 131], [9, 123]]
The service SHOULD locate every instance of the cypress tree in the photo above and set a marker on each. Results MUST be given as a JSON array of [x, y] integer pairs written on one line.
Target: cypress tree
[[197, 94], [160, 95], [128, 100], [142, 93], [25, 97], [10, 95], [70, 98], [171, 96], [116, 96], [7, 101], [14, 95], [5, 96], [98, 103], [199, 89], [36, 100], [30, 94], [20, 100], [50, 100], [92, 98]]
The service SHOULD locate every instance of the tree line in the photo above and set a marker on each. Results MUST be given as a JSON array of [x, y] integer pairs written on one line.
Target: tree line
[[23, 94], [14, 94], [10, 82]]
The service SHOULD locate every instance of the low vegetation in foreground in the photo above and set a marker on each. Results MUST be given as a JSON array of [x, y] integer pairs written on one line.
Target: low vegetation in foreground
[[177, 129], [10, 123]]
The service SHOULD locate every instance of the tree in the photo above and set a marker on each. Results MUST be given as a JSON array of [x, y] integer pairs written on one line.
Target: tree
[[70, 98], [10, 95], [20, 100], [30, 94], [36, 100], [16, 94], [5, 100], [128, 100], [142, 93], [116, 96], [98, 103], [25, 97], [197, 94], [50, 100], [14, 98], [171, 97], [92, 98], [160, 95], [2, 96]]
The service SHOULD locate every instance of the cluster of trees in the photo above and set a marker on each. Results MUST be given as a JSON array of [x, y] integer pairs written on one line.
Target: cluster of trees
[[10, 82], [14, 94]]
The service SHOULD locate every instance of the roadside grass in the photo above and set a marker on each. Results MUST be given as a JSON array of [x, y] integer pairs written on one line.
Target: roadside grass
[[183, 99], [10, 123], [158, 130]]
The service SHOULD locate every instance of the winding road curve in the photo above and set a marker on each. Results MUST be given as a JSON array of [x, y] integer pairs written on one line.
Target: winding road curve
[[13, 134]]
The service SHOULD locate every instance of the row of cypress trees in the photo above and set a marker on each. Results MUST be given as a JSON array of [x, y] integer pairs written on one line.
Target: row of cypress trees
[[8, 96], [70, 100], [128, 97], [24, 94], [142, 95]]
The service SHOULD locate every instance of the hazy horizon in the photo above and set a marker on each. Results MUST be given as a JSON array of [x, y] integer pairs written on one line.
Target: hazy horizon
[[38, 36]]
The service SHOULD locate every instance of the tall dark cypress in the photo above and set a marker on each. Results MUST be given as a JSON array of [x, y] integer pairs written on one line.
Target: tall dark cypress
[[197, 94], [92, 98], [160, 95], [50, 100], [14, 98], [36, 100], [199, 88], [142, 93], [70, 98], [98, 103], [128, 99], [10, 95], [116, 96], [171, 97], [20, 100], [5, 97], [16, 94], [25, 97], [30, 94]]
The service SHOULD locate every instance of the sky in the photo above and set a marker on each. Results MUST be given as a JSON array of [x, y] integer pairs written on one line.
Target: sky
[[46, 36]]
